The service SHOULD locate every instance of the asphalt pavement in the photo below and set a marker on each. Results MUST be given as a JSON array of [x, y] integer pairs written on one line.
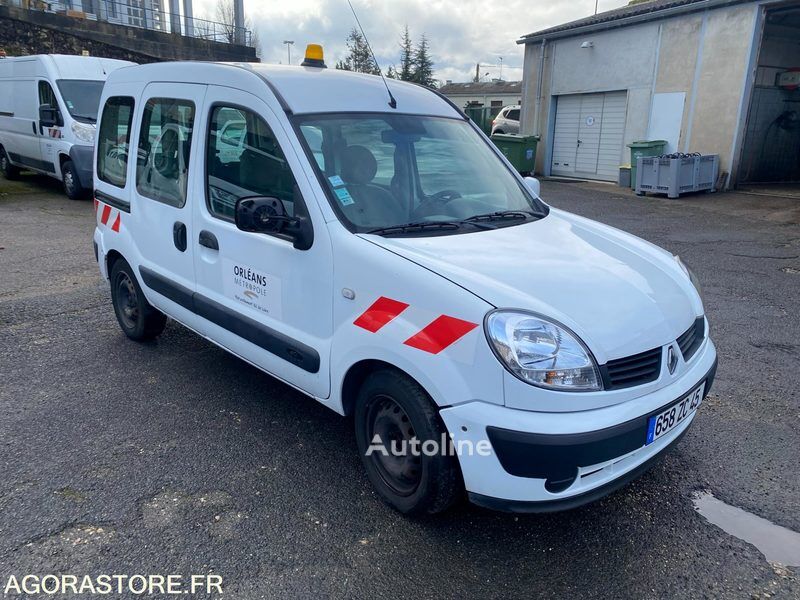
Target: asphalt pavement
[[174, 457]]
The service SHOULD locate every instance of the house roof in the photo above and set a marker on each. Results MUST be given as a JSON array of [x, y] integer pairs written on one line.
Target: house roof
[[482, 88], [643, 11]]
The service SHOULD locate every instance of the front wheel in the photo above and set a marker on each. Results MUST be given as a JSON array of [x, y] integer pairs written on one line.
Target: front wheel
[[72, 184], [394, 417], [10, 172], [138, 319]]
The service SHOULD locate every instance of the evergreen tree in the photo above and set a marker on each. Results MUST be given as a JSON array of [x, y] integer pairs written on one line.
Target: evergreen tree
[[391, 73], [406, 72], [423, 65], [359, 58]]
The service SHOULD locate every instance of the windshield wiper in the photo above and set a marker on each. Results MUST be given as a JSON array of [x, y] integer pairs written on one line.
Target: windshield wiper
[[502, 215], [417, 226]]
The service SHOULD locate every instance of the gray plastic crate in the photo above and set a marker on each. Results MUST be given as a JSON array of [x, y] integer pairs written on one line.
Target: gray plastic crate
[[676, 176]]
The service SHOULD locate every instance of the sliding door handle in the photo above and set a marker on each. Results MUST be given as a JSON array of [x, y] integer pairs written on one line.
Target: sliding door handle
[[179, 236], [208, 240]]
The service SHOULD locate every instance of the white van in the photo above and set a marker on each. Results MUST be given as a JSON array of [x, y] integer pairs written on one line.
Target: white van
[[48, 111], [376, 252]]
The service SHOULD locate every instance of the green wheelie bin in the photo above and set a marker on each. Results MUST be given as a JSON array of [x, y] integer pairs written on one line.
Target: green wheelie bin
[[520, 150]]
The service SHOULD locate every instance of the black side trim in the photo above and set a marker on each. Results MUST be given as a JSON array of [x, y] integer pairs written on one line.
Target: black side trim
[[112, 201], [519, 506], [4, 113], [167, 288], [33, 163], [270, 340], [249, 329], [557, 457]]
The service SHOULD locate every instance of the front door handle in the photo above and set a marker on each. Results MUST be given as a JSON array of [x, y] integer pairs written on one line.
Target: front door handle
[[179, 235], [34, 127], [209, 240]]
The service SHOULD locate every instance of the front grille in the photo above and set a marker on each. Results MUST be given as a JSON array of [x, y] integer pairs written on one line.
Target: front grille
[[632, 370], [690, 340]]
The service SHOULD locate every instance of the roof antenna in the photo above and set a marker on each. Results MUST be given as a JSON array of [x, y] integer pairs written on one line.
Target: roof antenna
[[392, 101]]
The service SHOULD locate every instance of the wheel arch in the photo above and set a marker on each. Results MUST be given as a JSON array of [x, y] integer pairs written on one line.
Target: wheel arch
[[357, 374]]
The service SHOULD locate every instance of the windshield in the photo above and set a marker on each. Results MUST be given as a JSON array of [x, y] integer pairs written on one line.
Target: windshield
[[414, 175], [82, 97]]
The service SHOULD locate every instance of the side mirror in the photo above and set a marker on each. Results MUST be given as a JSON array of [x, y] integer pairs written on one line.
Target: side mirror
[[264, 214], [49, 116], [533, 185]]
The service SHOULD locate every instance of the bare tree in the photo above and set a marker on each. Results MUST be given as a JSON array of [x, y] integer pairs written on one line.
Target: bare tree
[[224, 15]]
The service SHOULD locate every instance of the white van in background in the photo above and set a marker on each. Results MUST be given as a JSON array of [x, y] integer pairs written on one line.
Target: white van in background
[[48, 116]]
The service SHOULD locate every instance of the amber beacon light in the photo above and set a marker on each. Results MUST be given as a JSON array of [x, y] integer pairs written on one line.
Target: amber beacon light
[[314, 57]]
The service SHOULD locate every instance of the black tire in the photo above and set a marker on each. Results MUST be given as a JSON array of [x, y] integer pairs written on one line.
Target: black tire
[[71, 182], [9, 171], [500, 131], [136, 316], [394, 406]]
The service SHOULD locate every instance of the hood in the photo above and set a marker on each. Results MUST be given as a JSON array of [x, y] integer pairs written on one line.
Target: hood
[[620, 294]]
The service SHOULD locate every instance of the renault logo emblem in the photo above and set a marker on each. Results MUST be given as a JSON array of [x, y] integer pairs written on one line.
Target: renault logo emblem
[[672, 360]]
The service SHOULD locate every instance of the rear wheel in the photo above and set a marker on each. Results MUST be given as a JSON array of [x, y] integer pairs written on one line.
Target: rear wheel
[[72, 184], [394, 417], [9, 170], [136, 316]]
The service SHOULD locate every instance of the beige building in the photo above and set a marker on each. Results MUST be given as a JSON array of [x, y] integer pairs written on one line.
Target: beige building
[[495, 94], [709, 76]]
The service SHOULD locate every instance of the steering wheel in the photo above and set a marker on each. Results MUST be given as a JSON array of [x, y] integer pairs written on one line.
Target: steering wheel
[[435, 202]]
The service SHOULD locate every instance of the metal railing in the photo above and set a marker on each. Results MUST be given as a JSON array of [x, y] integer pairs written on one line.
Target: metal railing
[[143, 14]]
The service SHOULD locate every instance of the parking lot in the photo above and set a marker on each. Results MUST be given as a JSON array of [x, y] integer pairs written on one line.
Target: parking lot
[[175, 457]]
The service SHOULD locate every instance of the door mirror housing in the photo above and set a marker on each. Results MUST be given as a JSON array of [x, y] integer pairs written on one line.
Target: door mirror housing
[[533, 185], [267, 214], [49, 116]]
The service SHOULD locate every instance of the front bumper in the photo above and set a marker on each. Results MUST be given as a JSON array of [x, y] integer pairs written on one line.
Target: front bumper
[[556, 461], [83, 159]]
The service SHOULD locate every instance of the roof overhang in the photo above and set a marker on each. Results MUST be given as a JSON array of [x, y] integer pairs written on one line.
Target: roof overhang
[[536, 38]]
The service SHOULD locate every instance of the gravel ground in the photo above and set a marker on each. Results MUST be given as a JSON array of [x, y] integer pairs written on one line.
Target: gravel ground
[[175, 457]]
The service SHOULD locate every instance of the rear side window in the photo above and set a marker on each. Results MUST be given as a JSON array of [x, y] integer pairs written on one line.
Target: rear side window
[[162, 159], [513, 114], [244, 159], [114, 140]]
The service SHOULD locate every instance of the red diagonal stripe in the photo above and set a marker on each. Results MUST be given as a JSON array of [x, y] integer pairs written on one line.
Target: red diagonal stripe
[[95, 205], [380, 313], [105, 214], [440, 333], [115, 226]]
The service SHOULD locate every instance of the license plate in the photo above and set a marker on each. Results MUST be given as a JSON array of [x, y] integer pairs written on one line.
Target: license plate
[[669, 418]]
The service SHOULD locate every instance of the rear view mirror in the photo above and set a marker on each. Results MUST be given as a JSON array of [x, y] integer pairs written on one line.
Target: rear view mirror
[[49, 116], [260, 214], [266, 214], [533, 185]]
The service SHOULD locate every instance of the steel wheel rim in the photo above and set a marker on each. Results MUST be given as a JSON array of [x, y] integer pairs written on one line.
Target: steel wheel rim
[[127, 301], [387, 419], [69, 182]]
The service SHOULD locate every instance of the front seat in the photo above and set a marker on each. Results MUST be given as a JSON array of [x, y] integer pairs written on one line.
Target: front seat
[[371, 205]]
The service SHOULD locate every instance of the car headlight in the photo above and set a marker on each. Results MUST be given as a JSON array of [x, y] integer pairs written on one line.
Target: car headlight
[[541, 352], [690, 274], [83, 132]]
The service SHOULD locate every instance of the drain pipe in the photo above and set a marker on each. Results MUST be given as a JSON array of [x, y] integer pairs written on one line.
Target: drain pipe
[[538, 105]]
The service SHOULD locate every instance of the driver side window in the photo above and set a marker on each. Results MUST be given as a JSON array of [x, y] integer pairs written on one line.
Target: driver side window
[[165, 139], [244, 159]]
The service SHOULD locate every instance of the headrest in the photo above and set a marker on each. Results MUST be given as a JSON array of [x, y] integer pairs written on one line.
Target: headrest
[[358, 165]]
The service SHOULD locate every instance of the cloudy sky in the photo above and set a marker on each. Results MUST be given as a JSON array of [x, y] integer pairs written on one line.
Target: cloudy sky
[[461, 32]]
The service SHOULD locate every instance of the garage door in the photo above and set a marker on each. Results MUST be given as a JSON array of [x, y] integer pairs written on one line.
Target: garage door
[[588, 135]]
